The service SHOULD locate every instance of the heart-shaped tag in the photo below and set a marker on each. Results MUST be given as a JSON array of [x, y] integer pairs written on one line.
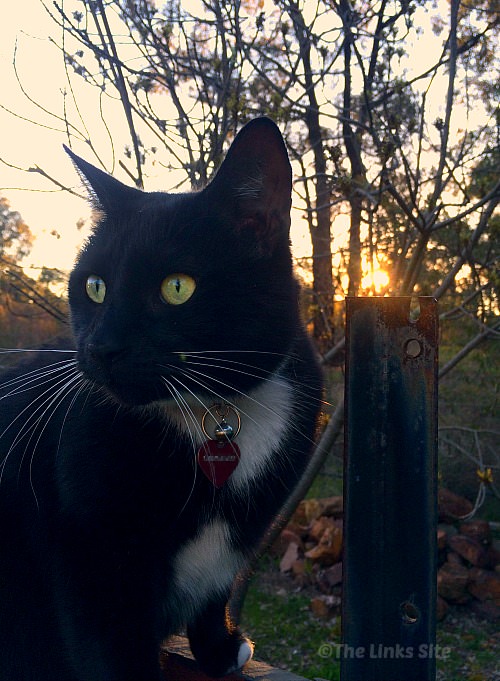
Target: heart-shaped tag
[[218, 460]]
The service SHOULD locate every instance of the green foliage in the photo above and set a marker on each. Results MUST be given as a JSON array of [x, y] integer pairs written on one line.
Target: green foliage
[[485, 175]]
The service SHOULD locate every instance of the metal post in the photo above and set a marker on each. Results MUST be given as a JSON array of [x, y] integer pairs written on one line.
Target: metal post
[[389, 590]]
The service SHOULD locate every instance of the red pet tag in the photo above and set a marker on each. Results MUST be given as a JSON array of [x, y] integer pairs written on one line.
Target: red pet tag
[[218, 457], [218, 460]]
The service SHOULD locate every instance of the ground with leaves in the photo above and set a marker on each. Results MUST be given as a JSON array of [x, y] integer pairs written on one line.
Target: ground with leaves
[[287, 635]]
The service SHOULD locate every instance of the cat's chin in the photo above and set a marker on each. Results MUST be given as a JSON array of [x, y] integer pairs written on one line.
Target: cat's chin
[[127, 395]]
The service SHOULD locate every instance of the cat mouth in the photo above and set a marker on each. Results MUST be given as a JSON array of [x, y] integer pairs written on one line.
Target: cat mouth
[[133, 394], [131, 386]]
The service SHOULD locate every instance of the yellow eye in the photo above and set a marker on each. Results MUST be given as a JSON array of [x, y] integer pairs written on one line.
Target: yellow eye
[[96, 288], [177, 289]]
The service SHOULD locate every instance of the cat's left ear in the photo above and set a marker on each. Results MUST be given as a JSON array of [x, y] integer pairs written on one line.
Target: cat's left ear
[[107, 193], [255, 183]]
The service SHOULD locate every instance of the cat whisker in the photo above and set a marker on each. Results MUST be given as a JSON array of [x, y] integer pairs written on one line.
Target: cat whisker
[[194, 353], [184, 409], [197, 425], [180, 401], [63, 372], [71, 374], [196, 397], [223, 364], [57, 400], [207, 410], [25, 385], [85, 383], [188, 373], [32, 419], [5, 351], [42, 369]]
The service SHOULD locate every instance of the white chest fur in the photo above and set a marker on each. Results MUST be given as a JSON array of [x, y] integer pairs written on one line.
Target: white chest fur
[[266, 415], [205, 566], [208, 564]]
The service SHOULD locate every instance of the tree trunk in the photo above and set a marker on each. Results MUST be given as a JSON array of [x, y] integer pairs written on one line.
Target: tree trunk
[[352, 142], [354, 266], [321, 240], [320, 232]]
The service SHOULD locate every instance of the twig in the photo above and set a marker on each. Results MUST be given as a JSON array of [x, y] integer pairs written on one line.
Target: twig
[[477, 340]]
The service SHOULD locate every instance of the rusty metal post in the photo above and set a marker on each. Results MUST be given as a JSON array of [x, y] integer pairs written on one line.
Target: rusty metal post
[[389, 590]]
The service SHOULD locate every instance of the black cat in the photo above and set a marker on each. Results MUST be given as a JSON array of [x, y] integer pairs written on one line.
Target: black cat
[[139, 473]]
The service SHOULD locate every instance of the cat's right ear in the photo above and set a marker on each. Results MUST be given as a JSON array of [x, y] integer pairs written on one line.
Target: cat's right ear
[[254, 184], [106, 193]]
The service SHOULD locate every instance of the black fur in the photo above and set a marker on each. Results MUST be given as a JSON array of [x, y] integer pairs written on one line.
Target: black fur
[[99, 489]]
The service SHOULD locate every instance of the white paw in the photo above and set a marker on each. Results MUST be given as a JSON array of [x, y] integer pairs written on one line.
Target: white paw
[[245, 653]]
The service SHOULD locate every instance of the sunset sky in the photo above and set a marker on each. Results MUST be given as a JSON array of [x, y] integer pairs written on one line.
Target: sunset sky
[[41, 74], [23, 144], [52, 214]]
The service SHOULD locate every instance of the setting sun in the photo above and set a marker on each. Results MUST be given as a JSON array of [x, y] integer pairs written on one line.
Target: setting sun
[[375, 278]]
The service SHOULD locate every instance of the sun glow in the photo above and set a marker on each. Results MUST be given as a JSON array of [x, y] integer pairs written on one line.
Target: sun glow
[[375, 279]]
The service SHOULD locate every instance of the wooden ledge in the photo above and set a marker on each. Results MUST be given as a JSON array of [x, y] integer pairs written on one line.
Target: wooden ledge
[[178, 664]]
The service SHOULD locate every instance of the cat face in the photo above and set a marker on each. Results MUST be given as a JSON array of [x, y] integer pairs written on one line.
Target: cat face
[[189, 292]]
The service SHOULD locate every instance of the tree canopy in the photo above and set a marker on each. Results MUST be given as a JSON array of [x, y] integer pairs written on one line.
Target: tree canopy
[[383, 136], [15, 236], [29, 311]]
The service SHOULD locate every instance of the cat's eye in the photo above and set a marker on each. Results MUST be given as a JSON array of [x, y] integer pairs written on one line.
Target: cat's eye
[[96, 288], [177, 289]]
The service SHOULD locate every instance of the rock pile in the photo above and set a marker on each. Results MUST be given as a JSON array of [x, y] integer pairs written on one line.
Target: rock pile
[[469, 568], [310, 551]]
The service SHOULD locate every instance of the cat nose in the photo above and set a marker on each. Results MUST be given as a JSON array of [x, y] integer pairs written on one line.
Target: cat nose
[[104, 353]]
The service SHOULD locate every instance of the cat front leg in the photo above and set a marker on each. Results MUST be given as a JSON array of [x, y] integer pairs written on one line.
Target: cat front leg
[[216, 642]]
